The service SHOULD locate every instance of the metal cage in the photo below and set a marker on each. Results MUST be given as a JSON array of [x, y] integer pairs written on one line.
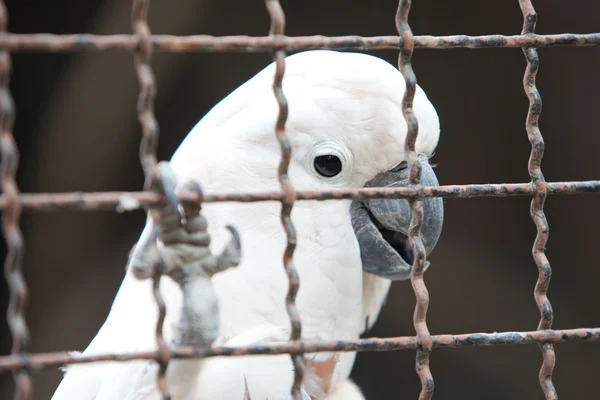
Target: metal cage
[[21, 363]]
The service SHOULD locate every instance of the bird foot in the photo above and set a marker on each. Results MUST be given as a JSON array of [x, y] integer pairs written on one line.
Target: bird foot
[[179, 243]]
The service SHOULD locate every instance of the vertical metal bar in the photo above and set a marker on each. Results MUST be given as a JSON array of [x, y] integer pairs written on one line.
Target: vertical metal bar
[[539, 197], [10, 223], [414, 234], [148, 145], [289, 193]]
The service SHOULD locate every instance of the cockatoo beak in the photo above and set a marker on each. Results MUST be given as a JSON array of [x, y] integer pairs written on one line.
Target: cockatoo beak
[[381, 225]]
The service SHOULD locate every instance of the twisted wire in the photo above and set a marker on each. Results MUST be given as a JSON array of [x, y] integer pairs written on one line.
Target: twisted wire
[[289, 193], [10, 224], [539, 198], [148, 159], [414, 233]]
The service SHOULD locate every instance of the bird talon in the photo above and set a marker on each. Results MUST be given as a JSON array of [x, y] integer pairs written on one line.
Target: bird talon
[[180, 237]]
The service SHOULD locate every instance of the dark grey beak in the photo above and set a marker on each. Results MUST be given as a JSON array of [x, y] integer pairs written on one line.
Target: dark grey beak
[[381, 225]]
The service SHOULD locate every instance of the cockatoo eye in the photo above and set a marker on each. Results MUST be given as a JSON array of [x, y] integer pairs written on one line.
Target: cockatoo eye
[[330, 162], [328, 165]]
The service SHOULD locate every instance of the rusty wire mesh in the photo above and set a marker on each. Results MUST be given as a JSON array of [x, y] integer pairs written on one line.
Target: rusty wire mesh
[[143, 43]]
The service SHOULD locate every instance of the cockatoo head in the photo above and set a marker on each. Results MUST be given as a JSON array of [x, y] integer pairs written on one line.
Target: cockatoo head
[[347, 130]]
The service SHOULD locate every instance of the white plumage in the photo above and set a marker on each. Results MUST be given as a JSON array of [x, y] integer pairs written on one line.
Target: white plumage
[[344, 104]]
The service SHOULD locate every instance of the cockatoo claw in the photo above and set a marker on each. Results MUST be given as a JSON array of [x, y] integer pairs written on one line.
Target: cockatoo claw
[[179, 238]]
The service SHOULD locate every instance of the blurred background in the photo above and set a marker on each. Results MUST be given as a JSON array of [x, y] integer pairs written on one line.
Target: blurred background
[[77, 130]]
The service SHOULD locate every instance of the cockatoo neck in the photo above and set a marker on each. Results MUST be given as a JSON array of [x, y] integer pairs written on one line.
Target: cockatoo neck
[[327, 259]]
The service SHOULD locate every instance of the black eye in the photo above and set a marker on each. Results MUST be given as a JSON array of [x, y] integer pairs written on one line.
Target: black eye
[[328, 166]]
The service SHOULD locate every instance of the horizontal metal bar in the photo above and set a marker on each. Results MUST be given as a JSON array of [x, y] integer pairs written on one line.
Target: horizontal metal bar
[[57, 359], [127, 201], [45, 42]]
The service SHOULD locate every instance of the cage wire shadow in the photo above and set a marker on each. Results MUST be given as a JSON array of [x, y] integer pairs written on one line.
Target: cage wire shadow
[[22, 363]]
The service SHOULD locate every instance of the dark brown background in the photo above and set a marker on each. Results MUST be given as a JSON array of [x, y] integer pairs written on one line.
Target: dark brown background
[[77, 130]]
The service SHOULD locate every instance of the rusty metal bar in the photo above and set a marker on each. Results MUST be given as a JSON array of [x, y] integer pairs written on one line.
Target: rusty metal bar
[[128, 201], [12, 202], [277, 17], [53, 360], [18, 297], [414, 232], [46, 42], [148, 159], [539, 198]]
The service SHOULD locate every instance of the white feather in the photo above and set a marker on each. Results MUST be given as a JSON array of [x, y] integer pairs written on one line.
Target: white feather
[[349, 103]]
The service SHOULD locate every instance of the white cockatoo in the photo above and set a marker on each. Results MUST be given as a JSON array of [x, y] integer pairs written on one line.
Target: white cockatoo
[[347, 130]]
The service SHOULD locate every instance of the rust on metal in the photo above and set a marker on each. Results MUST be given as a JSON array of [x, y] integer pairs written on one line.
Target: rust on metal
[[277, 17], [539, 198], [414, 232], [148, 159], [143, 43], [46, 42], [15, 245], [53, 360], [128, 201]]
